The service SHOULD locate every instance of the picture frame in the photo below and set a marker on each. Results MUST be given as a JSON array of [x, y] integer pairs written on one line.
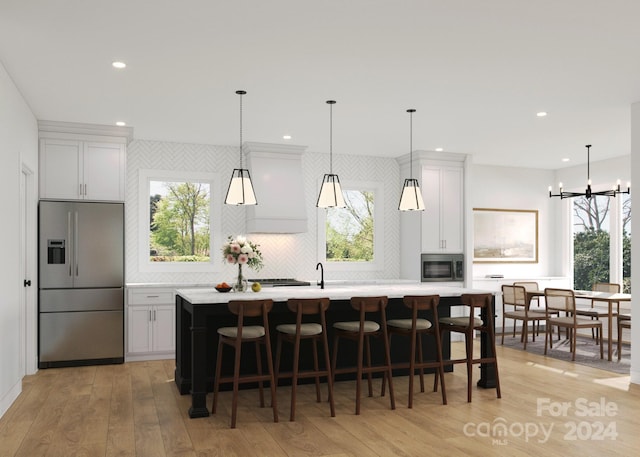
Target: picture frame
[[505, 235]]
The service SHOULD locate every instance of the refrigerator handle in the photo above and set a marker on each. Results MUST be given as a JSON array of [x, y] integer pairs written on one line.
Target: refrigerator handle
[[66, 255], [75, 243]]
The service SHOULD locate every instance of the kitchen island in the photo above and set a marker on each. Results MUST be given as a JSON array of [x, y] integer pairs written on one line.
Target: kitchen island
[[200, 312]]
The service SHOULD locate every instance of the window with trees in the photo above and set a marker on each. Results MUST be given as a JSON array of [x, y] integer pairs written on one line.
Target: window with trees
[[351, 237], [181, 227], [593, 240]]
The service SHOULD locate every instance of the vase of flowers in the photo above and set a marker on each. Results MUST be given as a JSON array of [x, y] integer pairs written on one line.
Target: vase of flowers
[[241, 251]]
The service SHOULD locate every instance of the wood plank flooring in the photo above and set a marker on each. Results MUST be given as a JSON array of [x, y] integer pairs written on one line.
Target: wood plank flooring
[[135, 410]]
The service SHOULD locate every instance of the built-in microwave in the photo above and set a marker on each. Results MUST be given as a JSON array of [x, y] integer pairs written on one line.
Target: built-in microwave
[[442, 267]]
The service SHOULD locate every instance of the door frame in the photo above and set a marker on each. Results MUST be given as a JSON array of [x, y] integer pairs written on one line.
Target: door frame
[[28, 261]]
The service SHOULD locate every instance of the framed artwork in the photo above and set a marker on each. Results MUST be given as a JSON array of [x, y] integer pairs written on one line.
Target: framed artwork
[[505, 235]]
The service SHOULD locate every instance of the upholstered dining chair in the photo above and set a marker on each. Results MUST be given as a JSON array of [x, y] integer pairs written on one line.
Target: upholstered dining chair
[[361, 331], [516, 307], [564, 300], [469, 325], [624, 321], [415, 328], [235, 337], [315, 332]]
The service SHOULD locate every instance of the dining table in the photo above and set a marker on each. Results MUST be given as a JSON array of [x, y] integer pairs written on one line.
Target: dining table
[[608, 297]]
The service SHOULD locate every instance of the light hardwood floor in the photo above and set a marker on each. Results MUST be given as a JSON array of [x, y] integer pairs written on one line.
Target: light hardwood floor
[[135, 410]]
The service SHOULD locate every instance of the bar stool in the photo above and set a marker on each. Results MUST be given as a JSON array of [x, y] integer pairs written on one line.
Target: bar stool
[[414, 328], [624, 321], [294, 333], [235, 337], [467, 325], [361, 331]]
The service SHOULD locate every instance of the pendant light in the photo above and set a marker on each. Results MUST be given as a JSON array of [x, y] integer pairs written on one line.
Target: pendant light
[[411, 198], [588, 193], [330, 192], [240, 191]]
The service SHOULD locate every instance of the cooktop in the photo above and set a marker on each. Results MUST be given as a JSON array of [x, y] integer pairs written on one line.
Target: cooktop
[[275, 282]]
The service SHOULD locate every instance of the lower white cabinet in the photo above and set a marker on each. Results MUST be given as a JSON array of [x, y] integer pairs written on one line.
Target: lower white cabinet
[[151, 328]]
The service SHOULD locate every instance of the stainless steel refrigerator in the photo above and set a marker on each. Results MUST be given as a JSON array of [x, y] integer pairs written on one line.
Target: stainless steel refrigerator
[[81, 283]]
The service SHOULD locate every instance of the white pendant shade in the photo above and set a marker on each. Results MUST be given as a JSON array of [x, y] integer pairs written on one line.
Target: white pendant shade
[[411, 198], [331, 193], [240, 190]]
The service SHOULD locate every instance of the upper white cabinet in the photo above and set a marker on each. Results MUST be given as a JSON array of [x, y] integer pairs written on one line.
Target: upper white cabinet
[[82, 162], [79, 170], [440, 227], [442, 220]]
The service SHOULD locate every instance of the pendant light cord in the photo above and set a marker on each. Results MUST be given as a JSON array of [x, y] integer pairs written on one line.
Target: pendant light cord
[[241, 130], [411, 111], [331, 103], [588, 162]]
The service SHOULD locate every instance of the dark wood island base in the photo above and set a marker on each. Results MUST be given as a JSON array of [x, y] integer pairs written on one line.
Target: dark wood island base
[[197, 339]]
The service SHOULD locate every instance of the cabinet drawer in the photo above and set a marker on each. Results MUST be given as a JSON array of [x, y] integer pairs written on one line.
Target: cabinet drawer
[[151, 297]]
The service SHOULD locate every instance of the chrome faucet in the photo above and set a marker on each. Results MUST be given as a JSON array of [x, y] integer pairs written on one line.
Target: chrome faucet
[[321, 283]]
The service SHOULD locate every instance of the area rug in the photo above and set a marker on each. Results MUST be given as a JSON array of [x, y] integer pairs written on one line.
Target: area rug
[[587, 352]]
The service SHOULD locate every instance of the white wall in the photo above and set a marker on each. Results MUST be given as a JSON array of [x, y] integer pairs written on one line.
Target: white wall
[[18, 144], [291, 255], [635, 247], [518, 188]]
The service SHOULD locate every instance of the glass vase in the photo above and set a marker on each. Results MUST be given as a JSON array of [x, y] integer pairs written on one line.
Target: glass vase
[[241, 284]]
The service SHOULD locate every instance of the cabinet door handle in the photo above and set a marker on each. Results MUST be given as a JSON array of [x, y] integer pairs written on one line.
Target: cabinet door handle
[[150, 316], [153, 296], [80, 189], [85, 190], [154, 314]]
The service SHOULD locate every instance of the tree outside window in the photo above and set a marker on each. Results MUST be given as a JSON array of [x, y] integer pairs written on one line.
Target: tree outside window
[[350, 230], [179, 221], [591, 240]]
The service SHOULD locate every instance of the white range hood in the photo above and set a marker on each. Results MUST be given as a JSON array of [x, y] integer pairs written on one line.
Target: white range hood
[[276, 172]]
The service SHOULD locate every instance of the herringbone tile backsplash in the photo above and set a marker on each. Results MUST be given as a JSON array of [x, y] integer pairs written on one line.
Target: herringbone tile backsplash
[[285, 255]]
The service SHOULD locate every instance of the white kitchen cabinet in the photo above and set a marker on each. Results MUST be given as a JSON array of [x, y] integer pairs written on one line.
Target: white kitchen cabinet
[[82, 170], [442, 220], [150, 324]]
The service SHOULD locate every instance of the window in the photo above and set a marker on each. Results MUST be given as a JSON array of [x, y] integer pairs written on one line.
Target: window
[[180, 224], [350, 239], [591, 240], [602, 241]]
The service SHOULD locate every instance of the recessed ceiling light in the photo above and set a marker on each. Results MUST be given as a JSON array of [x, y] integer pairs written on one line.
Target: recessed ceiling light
[[439, 149], [566, 159], [541, 114], [286, 137], [121, 124], [118, 65]]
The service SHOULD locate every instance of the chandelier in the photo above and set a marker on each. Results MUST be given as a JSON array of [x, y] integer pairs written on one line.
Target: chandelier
[[588, 193]]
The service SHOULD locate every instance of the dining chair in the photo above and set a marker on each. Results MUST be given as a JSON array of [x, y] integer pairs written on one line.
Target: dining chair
[[596, 313], [361, 331], [315, 333], [235, 337], [564, 300], [414, 328], [624, 321], [515, 306], [469, 325]]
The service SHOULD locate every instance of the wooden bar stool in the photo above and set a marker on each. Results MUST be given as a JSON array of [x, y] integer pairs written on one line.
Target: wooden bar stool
[[414, 328], [294, 333], [361, 331], [624, 321], [235, 337], [467, 326]]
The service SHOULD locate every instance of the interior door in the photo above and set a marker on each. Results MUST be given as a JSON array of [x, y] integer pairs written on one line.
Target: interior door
[[99, 244]]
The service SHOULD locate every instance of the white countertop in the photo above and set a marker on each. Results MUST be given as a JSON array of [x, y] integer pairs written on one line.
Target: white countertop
[[333, 292]]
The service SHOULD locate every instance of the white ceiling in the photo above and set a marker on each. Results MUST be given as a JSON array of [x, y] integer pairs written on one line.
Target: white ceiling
[[477, 72]]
